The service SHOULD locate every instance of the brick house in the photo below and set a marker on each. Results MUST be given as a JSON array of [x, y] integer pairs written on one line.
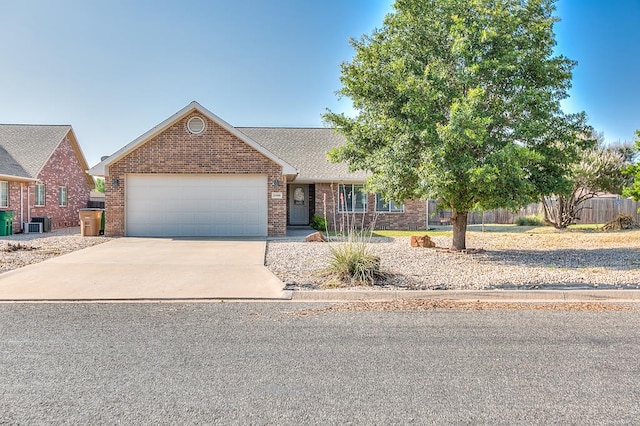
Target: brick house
[[196, 175], [42, 174]]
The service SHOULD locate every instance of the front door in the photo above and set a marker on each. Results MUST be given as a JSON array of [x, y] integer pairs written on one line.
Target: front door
[[299, 204]]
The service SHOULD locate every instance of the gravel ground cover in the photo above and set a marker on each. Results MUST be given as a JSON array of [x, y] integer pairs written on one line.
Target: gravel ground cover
[[20, 250], [571, 260], [447, 305]]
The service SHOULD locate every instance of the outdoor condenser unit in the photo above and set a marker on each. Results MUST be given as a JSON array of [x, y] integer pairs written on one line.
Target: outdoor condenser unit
[[31, 227]]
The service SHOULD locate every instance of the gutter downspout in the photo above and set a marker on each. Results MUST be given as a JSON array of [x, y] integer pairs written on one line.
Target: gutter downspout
[[427, 219], [22, 205], [28, 206]]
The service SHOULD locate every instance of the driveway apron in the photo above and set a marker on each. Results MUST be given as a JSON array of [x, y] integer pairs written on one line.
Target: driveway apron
[[147, 269]]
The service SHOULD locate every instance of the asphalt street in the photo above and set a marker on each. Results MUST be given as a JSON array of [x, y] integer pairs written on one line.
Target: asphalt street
[[261, 363]]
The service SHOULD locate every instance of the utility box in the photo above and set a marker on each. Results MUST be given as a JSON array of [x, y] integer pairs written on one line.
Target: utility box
[[6, 222], [90, 222]]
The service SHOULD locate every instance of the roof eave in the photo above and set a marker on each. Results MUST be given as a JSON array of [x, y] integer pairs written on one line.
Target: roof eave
[[17, 178], [331, 180]]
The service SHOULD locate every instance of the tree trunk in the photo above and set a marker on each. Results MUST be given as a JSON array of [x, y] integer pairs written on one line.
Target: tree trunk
[[459, 222]]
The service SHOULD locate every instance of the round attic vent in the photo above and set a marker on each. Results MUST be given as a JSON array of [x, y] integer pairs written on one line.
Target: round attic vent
[[196, 125]]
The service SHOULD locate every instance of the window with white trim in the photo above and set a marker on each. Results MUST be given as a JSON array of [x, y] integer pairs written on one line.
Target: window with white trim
[[40, 195], [4, 194], [196, 125], [383, 206], [62, 196], [352, 198]]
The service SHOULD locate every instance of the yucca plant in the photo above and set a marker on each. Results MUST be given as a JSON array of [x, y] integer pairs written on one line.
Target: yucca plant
[[351, 261]]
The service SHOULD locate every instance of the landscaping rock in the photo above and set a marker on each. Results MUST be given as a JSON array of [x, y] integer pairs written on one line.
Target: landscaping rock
[[316, 237], [422, 241], [547, 260]]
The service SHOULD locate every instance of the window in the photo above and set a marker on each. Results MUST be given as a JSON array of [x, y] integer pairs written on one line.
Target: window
[[4, 194], [352, 198], [62, 196], [39, 194], [383, 206], [196, 125]]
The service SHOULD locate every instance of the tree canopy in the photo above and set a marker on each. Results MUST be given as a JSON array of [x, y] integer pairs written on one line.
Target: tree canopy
[[633, 171], [460, 101], [598, 170]]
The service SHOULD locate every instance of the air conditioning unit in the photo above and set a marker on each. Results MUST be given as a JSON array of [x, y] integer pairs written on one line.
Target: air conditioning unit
[[30, 227], [46, 223]]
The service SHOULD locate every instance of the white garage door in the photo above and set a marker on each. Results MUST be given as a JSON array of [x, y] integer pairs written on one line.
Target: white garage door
[[196, 205]]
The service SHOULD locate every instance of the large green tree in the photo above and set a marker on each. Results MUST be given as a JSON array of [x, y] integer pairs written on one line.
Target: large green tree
[[633, 172], [460, 101]]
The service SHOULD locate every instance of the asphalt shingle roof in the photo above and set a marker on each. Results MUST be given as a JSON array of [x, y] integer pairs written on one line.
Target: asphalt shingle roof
[[9, 166], [25, 148], [305, 149]]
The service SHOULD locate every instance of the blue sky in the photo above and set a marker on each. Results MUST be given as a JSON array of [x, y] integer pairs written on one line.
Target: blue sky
[[114, 69]]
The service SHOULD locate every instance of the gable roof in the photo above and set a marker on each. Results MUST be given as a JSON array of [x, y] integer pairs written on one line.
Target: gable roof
[[31, 145], [306, 149], [101, 169], [26, 148], [9, 167]]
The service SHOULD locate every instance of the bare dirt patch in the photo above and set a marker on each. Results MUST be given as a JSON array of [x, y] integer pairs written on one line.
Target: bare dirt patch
[[412, 305]]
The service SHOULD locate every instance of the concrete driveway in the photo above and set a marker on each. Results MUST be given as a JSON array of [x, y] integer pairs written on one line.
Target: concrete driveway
[[148, 269]]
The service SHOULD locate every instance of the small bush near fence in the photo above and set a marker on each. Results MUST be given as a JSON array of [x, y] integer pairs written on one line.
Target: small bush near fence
[[529, 221]]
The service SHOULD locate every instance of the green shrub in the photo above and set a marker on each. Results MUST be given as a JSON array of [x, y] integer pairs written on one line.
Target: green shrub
[[529, 221], [352, 263], [319, 223]]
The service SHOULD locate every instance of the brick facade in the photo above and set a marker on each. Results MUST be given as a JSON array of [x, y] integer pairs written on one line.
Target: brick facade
[[413, 217], [61, 170], [177, 151]]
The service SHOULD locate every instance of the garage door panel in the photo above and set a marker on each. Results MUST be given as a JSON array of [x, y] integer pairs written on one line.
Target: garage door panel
[[196, 205]]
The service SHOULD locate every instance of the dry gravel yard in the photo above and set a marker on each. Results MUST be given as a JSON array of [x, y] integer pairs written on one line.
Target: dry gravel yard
[[20, 250], [538, 259]]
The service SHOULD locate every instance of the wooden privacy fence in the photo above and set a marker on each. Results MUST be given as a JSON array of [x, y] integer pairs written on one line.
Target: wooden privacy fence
[[596, 210]]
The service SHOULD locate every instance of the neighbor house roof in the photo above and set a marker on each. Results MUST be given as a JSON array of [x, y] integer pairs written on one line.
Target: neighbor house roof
[[26, 148], [9, 167], [101, 169], [306, 149]]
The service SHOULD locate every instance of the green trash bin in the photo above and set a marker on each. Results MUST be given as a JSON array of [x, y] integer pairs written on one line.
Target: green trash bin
[[6, 222], [102, 223]]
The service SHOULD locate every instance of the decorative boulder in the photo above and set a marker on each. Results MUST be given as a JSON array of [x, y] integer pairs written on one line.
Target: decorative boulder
[[422, 241], [315, 237]]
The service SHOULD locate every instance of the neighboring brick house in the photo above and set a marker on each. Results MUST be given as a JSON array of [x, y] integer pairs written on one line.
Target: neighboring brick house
[[196, 175], [42, 174]]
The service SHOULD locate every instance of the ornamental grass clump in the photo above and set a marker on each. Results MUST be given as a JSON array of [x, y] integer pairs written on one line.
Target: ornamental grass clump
[[351, 262]]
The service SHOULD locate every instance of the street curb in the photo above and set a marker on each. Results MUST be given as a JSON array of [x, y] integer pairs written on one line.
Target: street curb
[[627, 296]]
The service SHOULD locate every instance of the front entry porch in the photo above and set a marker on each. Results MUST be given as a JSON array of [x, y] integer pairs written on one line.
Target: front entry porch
[[300, 204]]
